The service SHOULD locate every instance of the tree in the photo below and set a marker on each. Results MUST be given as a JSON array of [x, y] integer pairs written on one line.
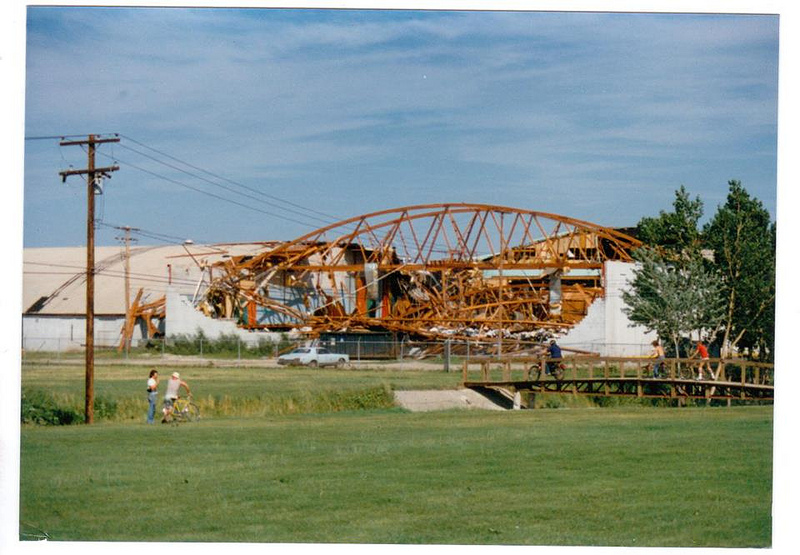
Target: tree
[[675, 232], [743, 240], [674, 300]]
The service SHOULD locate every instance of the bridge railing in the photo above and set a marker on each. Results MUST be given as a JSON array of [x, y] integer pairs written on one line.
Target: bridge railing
[[527, 368]]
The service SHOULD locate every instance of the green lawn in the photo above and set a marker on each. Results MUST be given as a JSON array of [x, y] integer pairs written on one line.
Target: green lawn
[[621, 476], [122, 381], [233, 391]]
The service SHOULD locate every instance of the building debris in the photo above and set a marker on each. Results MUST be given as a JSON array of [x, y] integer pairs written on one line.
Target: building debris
[[430, 272]]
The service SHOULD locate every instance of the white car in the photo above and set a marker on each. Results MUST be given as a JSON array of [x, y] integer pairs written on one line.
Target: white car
[[313, 356]]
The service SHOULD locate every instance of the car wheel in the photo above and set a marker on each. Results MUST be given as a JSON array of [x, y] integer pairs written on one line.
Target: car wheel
[[312, 364]]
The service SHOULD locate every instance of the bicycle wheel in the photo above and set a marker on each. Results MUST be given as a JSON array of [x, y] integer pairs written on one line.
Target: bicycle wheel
[[191, 412]]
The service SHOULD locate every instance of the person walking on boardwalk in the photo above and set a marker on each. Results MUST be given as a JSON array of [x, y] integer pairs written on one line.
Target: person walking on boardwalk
[[658, 354], [702, 352], [173, 387], [152, 395]]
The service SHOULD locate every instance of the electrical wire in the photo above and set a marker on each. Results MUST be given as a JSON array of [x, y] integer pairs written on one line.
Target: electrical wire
[[163, 237], [108, 273], [207, 193], [230, 189], [51, 137], [328, 218]]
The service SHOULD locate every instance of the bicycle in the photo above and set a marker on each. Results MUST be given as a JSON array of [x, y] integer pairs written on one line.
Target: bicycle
[[552, 367], [184, 410]]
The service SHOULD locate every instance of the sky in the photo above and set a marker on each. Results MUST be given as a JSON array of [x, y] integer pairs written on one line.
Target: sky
[[265, 124], [317, 115]]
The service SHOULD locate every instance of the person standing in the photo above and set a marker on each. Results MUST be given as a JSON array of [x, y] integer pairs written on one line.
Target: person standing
[[658, 354], [152, 395], [173, 387], [702, 352]]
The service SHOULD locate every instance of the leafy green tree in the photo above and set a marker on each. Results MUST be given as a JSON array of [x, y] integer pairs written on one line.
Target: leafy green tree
[[675, 232], [743, 240], [674, 300]]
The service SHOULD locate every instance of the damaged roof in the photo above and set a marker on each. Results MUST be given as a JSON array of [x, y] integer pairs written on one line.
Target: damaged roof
[[54, 279]]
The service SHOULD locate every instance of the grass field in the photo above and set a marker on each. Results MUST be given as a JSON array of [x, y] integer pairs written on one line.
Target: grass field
[[630, 476]]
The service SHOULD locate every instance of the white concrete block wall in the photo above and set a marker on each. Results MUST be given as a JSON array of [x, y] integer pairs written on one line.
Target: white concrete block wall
[[606, 329], [590, 333], [622, 338], [185, 319], [68, 333]]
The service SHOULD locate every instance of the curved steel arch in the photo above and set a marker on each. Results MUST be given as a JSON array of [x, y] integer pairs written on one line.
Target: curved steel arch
[[430, 269]]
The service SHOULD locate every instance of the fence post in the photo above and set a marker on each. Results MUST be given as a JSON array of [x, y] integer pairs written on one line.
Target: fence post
[[238, 349], [163, 346], [201, 347], [447, 355], [358, 349]]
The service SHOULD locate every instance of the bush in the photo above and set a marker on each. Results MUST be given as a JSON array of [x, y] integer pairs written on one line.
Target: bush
[[225, 345], [42, 408]]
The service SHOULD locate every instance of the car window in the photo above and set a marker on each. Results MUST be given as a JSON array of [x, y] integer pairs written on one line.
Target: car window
[[323, 351]]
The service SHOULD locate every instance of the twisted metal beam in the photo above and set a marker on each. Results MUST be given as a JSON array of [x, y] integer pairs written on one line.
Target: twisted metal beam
[[434, 265]]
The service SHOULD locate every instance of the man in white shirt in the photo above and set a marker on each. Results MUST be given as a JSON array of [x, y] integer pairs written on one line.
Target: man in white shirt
[[173, 387]]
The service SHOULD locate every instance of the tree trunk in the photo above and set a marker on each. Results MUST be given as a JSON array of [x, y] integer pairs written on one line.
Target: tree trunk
[[724, 348]]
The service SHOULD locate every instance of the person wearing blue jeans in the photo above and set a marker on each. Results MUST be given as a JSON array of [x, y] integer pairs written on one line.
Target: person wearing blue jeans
[[152, 395]]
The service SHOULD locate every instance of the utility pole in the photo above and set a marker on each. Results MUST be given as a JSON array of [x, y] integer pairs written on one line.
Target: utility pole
[[127, 239], [94, 174]]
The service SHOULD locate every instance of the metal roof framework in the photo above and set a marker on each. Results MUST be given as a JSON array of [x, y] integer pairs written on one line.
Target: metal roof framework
[[430, 271]]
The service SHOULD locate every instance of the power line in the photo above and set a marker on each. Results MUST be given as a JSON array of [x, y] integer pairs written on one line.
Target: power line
[[166, 238], [218, 197], [171, 166], [52, 137], [117, 275], [329, 218]]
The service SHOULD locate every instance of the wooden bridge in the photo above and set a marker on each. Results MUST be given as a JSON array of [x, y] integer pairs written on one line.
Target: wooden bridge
[[730, 379]]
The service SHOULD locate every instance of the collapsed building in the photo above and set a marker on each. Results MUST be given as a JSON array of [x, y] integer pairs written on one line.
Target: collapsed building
[[483, 277], [430, 272]]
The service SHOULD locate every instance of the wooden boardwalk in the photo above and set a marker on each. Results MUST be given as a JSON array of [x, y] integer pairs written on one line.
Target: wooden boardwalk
[[732, 379]]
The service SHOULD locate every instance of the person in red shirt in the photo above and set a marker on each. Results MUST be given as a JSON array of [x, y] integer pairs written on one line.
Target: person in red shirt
[[702, 352]]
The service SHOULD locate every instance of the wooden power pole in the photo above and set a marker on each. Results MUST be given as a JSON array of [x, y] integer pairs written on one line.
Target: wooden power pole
[[92, 180], [127, 239]]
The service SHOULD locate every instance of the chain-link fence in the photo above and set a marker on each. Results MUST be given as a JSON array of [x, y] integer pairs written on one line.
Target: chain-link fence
[[233, 347]]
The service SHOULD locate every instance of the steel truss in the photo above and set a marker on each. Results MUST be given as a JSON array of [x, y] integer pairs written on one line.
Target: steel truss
[[429, 271]]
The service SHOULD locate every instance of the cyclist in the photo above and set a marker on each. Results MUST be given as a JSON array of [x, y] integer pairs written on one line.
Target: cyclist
[[173, 387], [554, 367]]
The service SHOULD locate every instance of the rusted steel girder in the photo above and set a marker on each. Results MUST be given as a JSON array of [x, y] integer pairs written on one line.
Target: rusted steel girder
[[457, 267]]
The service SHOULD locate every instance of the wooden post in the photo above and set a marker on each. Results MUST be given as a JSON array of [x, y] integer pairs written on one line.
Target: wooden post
[[743, 370], [93, 174], [574, 365]]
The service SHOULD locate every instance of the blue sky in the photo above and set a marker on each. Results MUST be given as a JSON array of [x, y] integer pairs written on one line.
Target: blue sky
[[305, 117]]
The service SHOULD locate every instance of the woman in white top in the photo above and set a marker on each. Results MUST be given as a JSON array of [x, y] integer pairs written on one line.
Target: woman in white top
[[152, 395]]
